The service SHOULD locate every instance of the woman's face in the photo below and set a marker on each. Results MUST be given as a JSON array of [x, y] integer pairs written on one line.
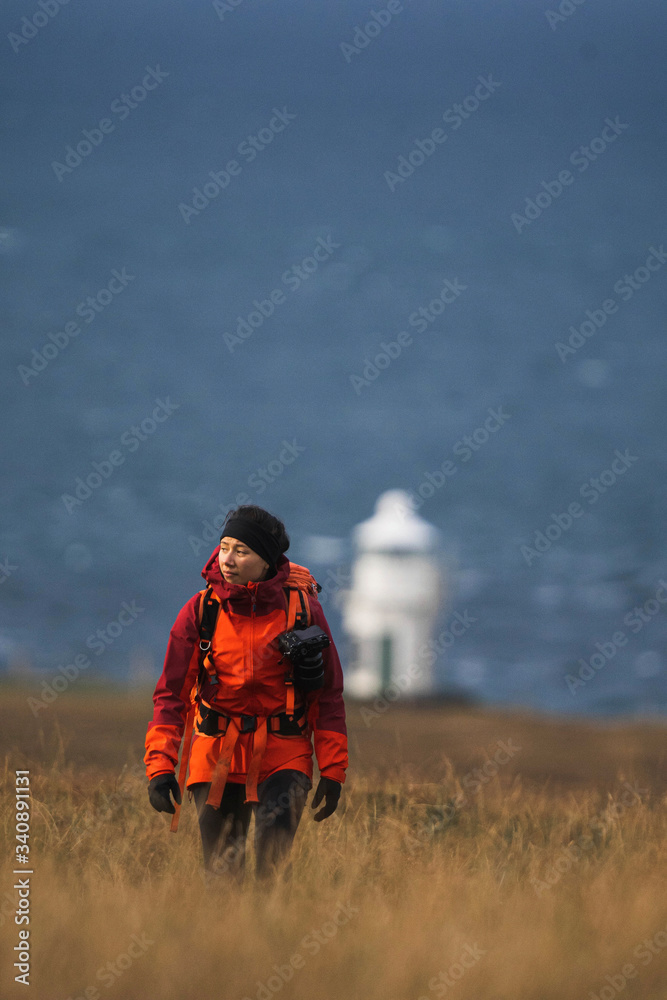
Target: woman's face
[[239, 563]]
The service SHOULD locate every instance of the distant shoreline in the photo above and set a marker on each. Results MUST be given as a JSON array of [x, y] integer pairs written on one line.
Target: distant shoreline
[[99, 725]]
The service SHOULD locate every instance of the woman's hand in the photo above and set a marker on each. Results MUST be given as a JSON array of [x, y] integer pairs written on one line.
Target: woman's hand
[[159, 788], [329, 790]]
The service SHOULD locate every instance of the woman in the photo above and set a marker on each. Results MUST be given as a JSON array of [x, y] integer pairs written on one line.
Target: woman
[[250, 711]]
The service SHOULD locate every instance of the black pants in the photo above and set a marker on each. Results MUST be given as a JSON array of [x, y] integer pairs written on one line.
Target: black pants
[[282, 797]]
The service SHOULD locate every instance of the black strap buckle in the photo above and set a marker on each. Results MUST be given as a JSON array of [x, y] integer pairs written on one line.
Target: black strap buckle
[[210, 721], [287, 725], [248, 723]]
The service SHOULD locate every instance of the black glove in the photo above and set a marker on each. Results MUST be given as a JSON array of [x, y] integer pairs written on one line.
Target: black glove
[[330, 791], [158, 792]]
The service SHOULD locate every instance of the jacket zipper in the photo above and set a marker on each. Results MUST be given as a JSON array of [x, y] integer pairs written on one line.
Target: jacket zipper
[[252, 642]]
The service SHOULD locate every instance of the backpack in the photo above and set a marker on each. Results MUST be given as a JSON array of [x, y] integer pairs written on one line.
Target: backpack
[[297, 610], [299, 582]]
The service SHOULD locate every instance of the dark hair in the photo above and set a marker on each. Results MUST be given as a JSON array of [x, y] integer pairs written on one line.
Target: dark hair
[[268, 521]]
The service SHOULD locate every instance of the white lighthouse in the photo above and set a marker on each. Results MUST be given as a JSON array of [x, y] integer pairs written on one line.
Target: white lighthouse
[[395, 593]]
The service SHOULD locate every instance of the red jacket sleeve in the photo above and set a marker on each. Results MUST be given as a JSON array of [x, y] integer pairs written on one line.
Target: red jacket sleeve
[[172, 695], [327, 711]]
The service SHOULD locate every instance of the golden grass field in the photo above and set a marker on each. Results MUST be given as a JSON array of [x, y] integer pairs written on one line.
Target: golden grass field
[[541, 878]]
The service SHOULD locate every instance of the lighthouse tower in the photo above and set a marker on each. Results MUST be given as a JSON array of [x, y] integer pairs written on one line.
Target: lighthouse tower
[[390, 609]]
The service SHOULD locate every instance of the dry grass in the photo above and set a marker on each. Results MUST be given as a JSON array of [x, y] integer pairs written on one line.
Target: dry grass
[[433, 863]]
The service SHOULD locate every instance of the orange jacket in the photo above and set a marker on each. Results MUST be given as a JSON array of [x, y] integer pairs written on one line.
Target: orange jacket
[[251, 682]]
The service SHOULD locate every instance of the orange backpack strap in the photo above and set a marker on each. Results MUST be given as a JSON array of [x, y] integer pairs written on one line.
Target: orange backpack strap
[[297, 607], [207, 612], [222, 765], [189, 725], [258, 748], [185, 759], [208, 615]]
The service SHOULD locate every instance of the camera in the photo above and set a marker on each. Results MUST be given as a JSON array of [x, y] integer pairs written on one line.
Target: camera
[[304, 648]]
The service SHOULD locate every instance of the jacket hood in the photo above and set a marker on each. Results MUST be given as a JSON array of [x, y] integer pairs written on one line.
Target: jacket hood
[[269, 591]]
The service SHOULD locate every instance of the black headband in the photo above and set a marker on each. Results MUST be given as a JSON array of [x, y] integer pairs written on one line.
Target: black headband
[[255, 536]]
